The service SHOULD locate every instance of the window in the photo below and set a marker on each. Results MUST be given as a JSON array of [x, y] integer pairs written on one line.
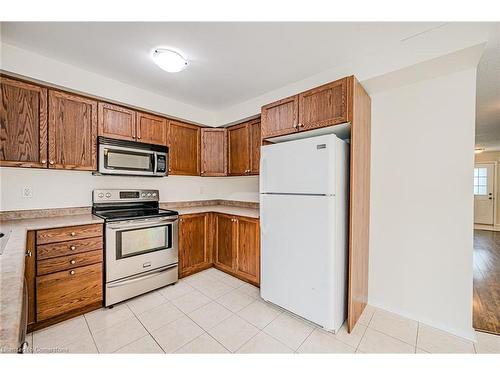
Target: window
[[480, 181]]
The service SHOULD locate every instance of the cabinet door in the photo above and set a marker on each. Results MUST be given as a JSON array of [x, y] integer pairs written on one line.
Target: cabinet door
[[65, 291], [248, 250], [184, 148], [23, 124], [194, 249], [151, 129], [72, 132], [255, 142], [225, 242], [238, 150], [116, 122], [323, 106], [280, 118], [213, 152]]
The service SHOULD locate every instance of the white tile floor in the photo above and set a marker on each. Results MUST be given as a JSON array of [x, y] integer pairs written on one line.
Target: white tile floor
[[212, 312]]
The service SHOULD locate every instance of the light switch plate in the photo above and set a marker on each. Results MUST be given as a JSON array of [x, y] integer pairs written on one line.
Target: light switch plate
[[27, 192]]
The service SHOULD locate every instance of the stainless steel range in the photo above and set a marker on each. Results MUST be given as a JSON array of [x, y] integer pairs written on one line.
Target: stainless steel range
[[141, 252]]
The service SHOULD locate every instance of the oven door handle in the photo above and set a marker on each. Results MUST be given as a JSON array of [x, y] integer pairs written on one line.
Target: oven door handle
[[140, 277], [142, 224]]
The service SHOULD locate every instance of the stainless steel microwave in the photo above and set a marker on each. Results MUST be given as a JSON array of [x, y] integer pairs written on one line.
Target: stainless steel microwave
[[117, 157]]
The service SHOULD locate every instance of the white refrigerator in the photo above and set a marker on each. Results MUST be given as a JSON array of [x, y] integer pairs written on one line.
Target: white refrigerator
[[303, 213]]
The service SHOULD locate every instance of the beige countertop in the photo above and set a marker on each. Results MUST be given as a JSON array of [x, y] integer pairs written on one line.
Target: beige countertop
[[230, 210], [12, 270]]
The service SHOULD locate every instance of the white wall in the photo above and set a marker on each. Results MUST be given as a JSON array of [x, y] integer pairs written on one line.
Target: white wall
[[422, 201], [56, 188]]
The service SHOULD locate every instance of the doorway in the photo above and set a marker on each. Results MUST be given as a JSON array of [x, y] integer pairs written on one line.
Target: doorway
[[484, 193]]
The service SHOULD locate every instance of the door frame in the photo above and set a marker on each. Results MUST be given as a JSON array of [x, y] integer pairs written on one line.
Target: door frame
[[495, 187]]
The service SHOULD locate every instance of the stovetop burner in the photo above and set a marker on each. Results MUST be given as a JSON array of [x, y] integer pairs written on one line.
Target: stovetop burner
[[115, 215], [116, 205]]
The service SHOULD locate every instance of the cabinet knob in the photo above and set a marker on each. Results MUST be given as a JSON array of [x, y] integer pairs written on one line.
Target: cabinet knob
[[28, 253], [72, 247], [44, 161], [139, 137], [71, 272], [73, 234], [169, 170], [51, 162], [301, 125], [72, 261]]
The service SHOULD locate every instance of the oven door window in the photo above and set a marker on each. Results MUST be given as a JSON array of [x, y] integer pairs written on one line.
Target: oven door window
[[128, 160], [131, 242]]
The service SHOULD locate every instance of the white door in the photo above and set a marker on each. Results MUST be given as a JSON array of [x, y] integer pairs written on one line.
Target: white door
[[484, 186], [298, 256], [305, 166]]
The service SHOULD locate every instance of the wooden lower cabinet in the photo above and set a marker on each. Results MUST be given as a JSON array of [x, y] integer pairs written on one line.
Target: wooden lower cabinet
[[230, 243], [69, 290], [225, 245], [195, 250], [248, 249], [64, 277], [237, 247]]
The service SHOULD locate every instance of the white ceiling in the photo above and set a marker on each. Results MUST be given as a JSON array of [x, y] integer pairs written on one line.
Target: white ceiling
[[229, 62], [488, 94]]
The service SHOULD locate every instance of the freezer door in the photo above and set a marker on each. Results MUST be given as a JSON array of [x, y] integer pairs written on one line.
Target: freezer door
[[298, 258], [305, 166]]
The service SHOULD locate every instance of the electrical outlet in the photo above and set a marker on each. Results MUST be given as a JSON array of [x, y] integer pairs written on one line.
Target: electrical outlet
[[27, 192]]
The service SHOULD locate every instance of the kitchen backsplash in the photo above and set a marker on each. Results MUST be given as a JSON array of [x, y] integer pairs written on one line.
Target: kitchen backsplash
[[61, 189]]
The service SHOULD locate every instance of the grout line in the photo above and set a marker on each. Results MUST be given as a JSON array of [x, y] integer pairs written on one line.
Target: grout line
[[303, 341], [91, 333], [149, 333], [416, 338], [362, 337]]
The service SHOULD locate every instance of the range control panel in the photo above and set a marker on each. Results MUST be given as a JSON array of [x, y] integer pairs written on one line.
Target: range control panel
[[130, 195]]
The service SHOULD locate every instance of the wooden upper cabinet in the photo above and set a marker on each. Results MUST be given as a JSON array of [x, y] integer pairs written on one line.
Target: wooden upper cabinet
[[23, 124], [323, 106], [248, 249], [255, 142], [280, 118], [238, 150], [225, 241], [213, 152], [184, 148], [151, 129], [194, 246], [116, 122], [72, 131]]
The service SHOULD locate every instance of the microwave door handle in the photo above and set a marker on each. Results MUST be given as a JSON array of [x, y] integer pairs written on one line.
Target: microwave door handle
[[155, 162]]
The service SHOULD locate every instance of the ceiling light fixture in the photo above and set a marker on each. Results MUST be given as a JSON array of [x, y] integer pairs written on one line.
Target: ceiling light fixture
[[168, 60]]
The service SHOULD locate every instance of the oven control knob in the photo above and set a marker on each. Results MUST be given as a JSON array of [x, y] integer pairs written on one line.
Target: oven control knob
[[100, 195], [108, 195], [154, 194], [143, 195], [149, 194]]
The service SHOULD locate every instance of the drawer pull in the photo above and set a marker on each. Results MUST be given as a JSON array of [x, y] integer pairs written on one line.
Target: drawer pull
[[72, 261], [73, 234], [72, 272], [72, 247]]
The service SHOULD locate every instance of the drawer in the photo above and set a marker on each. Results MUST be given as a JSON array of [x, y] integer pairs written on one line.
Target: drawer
[[65, 291], [68, 248], [68, 233], [67, 262]]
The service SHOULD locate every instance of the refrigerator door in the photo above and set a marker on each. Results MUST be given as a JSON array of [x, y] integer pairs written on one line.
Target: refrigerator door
[[305, 166], [301, 269]]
